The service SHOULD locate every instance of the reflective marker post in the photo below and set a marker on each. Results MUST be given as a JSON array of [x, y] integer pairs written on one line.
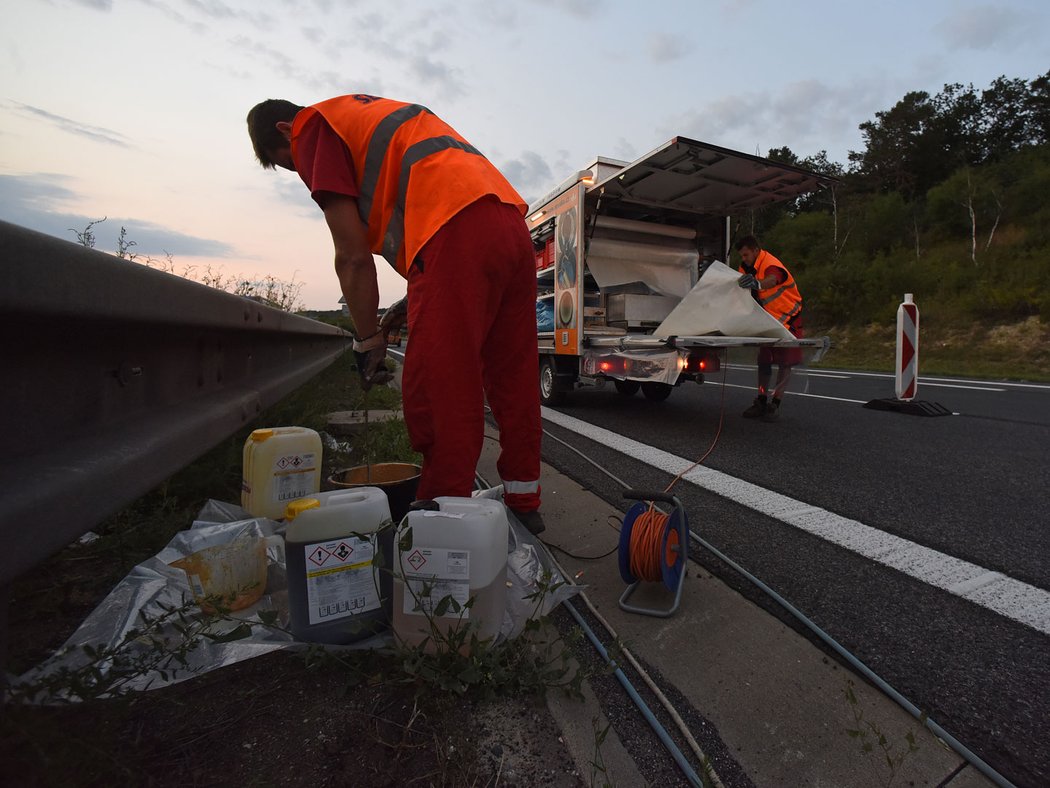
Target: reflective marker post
[[907, 371], [907, 349]]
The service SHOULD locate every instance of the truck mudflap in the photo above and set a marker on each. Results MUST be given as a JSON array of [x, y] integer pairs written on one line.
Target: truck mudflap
[[649, 359]]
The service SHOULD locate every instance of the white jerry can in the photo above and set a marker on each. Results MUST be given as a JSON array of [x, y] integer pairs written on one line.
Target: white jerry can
[[458, 553]]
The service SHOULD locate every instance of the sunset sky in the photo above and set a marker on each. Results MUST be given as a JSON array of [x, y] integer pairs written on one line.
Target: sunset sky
[[134, 109]]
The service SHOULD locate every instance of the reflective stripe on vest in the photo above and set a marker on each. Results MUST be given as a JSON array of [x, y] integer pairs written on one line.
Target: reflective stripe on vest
[[787, 316], [395, 229], [783, 302], [402, 208], [377, 148], [776, 294]]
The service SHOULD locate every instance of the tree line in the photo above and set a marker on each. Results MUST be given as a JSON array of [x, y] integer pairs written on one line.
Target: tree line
[[949, 199]]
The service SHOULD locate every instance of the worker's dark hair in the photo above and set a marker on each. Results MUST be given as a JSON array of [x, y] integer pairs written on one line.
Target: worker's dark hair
[[749, 241], [262, 127]]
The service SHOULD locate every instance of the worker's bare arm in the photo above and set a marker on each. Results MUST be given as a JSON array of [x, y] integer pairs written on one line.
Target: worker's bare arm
[[775, 277], [354, 264]]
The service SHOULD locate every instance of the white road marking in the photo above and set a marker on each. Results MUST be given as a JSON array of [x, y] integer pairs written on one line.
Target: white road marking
[[822, 375], [994, 591], [979, 384], [925, 383], [803, 394], [935, 381]]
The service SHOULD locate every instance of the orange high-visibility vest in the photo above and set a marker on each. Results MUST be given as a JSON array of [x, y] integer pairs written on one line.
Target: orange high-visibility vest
[[414, 171], [782, 301]]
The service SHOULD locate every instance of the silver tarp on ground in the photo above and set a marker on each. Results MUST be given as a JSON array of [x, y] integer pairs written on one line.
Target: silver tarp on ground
[[153, 587]]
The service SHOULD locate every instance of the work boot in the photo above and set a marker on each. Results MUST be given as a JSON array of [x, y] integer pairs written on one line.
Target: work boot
[[772, 410], [757, 409], [533, 521]]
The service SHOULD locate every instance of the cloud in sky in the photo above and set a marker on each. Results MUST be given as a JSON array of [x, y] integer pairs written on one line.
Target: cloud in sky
[[666, 47], [434, 72], [95, 133], [220, 11], [291, 191], [802, 115], [541, 88], [36, 201], [530, 173], [175, 16], [987, 27], [584, 9]]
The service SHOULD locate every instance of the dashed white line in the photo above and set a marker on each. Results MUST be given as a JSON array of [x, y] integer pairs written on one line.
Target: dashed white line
[[994, 591]]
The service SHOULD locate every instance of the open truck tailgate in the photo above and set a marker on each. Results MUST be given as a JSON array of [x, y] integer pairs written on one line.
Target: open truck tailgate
[[697, 177]]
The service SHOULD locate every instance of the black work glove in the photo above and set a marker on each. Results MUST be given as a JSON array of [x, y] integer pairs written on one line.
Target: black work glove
[[394, 318], [748, 282], [370, 354]]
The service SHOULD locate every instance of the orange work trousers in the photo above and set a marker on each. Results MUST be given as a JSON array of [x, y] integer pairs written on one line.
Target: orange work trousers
[[472, 336]]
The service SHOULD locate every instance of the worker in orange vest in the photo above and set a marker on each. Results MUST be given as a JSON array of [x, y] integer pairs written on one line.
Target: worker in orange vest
[[775, 290], [395, 180]]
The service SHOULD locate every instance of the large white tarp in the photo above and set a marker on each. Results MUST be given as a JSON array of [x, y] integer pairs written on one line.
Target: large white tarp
[[664, 268], [718, 305]]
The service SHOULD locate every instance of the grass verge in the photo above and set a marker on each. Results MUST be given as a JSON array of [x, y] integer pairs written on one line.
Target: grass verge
[[1016, 351]]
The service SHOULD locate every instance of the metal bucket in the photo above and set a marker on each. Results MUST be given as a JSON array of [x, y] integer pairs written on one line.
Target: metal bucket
[[399, 480]]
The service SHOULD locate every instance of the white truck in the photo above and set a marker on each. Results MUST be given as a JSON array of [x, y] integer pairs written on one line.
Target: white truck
[[619, 246]]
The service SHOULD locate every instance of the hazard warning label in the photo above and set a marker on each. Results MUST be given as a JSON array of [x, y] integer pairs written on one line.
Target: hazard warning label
[[340, 581], [293, 476], [438, 574]]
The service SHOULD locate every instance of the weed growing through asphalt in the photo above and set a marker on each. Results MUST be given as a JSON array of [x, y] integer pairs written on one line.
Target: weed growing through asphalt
[[870, 736], [598, 767]]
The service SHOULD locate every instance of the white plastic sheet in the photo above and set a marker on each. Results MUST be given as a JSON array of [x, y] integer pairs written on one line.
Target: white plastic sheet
[[663, 268], [718, 305]]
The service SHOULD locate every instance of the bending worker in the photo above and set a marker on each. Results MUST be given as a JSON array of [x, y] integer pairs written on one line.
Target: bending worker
[[395, 180], [774, 288]]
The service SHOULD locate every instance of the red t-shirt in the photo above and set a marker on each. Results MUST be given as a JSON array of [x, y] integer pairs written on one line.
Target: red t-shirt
[[323, 161]]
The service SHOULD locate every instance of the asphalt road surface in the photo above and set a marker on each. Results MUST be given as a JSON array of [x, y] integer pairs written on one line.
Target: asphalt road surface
[[921, 544]]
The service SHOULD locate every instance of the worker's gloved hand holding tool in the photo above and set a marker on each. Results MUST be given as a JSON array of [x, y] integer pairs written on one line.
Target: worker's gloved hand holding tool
[[394, 318], [748, 281], [370, 354]]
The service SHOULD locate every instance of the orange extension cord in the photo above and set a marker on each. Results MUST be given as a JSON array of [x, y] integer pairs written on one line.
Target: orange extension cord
[[649, 527]]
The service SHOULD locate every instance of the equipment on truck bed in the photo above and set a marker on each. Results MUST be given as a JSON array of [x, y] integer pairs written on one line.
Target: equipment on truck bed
[[620, 250]]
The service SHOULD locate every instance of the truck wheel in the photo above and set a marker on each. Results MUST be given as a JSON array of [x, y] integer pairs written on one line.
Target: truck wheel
[[657, 392], [550, 392], [627, 387]]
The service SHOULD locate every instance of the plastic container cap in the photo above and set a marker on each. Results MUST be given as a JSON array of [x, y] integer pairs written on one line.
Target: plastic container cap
[[261, 435], [300, 505]]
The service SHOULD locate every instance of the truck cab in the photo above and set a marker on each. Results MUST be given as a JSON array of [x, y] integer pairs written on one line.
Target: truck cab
[[619, 245]]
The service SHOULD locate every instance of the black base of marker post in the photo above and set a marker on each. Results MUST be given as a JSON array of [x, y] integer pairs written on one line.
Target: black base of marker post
[[914, 407]]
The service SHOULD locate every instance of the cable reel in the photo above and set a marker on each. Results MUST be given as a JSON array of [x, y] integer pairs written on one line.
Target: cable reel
[[653, 548]]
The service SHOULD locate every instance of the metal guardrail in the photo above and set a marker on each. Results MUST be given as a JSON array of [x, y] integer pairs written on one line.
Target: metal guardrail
[[115, 376]]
